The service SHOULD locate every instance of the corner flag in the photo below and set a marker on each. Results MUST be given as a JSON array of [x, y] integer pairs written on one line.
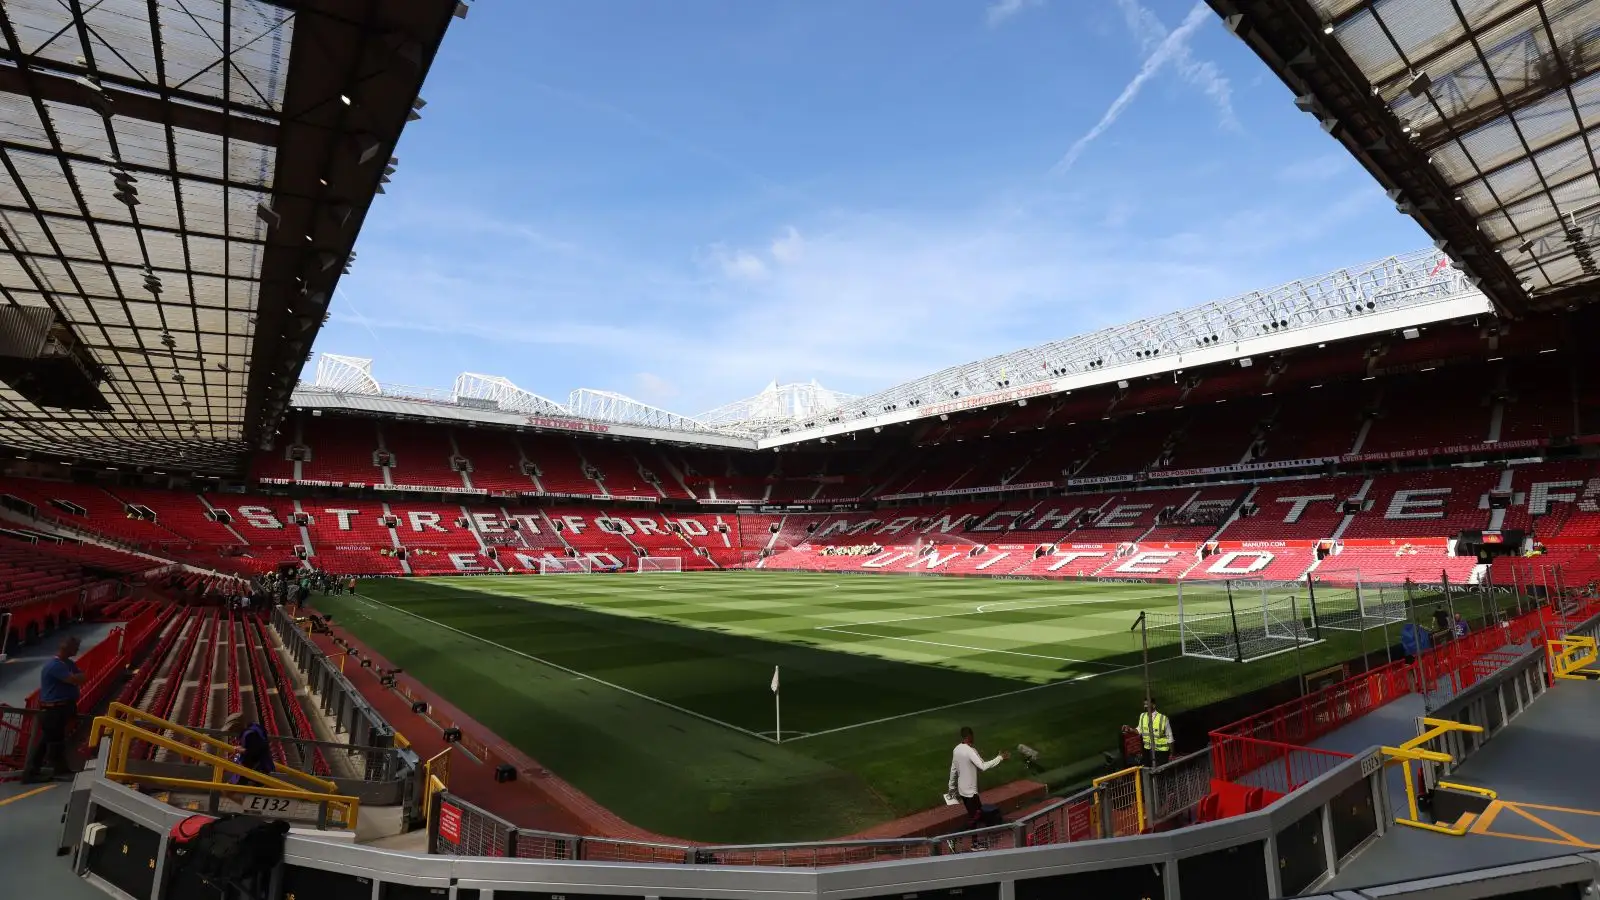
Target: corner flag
[[777, 711]]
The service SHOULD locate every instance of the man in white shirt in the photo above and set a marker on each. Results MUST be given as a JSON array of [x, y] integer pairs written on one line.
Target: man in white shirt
[[965, 764]]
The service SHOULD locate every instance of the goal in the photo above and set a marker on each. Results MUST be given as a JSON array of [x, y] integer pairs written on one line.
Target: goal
[[650, 564], [1237, 621], [1371, 601], [578, 565]]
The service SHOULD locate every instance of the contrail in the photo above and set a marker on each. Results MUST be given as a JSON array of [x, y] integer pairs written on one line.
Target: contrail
[[1173, 45]]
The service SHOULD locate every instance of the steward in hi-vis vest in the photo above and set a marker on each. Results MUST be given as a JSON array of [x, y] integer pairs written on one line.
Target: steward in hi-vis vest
[[1155, 731]]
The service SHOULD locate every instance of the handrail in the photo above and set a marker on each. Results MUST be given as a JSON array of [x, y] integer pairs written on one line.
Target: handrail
[[341, 810], [121, 712], [436, 775], [1572, 656], [1412, 751]]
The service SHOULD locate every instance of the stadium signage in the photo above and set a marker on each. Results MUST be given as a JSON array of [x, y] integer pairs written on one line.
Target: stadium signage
[[585, 496], [429, 489], [1246, 467], [314, 482], [959, 492], [1527, 444], [1100, 479], [450, 822], [1006, 396], [567, 424]]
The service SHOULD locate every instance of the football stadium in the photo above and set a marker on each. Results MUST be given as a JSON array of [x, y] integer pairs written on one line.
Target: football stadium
[[1286, 593]]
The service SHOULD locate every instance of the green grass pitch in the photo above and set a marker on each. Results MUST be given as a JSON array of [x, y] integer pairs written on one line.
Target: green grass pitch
[[652, 692]]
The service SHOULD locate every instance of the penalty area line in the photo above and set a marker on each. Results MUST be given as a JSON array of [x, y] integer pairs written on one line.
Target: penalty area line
[[557, 666]]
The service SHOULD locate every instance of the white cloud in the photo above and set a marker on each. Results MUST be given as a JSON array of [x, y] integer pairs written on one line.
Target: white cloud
[[740, 265], [789, 246], [873, 299], [1316, 168], [653, 389], [1167, 51], [1001, 10], [1202, 74]]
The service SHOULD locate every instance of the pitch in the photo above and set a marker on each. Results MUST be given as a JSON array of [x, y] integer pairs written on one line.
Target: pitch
[[652, 692]]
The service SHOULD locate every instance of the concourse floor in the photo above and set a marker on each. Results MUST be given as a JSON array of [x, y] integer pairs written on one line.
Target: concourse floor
[[1542, 768], [30, 823]]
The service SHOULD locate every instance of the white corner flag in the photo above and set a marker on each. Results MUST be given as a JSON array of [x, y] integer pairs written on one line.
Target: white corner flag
[[777, 710]]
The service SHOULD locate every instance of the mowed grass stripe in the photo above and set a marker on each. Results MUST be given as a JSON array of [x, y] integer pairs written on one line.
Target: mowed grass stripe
[[880, 714], [713, 675], [827, 602]]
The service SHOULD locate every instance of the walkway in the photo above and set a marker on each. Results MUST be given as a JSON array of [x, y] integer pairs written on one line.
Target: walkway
[[30, 824], [1544, 757]]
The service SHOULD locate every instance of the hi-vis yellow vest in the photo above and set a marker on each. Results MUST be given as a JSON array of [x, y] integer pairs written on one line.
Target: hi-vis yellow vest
[[1153, 731]]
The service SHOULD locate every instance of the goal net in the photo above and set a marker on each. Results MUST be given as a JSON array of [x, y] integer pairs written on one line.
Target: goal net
[[1366, 602], [649, 564], [1237, 621], [578, 565]]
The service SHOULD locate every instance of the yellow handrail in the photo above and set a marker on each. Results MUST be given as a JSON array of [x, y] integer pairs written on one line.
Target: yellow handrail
[[124, 713], [1412, 751], [342, 810], [1469, 789], [1572, 656], [437, 772]]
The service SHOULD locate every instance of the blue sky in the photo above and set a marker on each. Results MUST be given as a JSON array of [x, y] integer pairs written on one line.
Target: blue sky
[[684, 201]]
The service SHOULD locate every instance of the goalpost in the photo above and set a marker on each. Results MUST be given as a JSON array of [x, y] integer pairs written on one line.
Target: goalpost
[[1369, 601], [1241, 620], [652, 564], [577, 565]]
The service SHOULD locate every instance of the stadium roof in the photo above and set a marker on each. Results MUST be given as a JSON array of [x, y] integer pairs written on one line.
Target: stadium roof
[[1395, 293], [181, 183], [1479, 118]]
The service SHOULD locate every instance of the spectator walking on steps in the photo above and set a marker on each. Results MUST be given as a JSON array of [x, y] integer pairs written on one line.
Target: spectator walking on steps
[[254, 751], [59, 682], [1155, 732], [965, 764]]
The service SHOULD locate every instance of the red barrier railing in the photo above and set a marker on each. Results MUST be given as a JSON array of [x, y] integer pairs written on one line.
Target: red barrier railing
[[1242, 747], [1273, 765], [1324, 711]]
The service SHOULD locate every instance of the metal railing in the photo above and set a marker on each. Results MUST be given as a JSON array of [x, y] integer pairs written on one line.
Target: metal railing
[[1317, 829], [336, 696], [1117, 805], [122, 727], [1178, 786], [15, 728]]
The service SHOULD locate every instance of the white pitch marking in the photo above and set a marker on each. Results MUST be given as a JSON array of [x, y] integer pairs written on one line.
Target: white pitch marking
[[659, 702]]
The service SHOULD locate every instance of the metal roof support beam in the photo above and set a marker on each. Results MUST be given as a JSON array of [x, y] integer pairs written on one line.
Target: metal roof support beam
[[1289, 37], [208, 119]]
